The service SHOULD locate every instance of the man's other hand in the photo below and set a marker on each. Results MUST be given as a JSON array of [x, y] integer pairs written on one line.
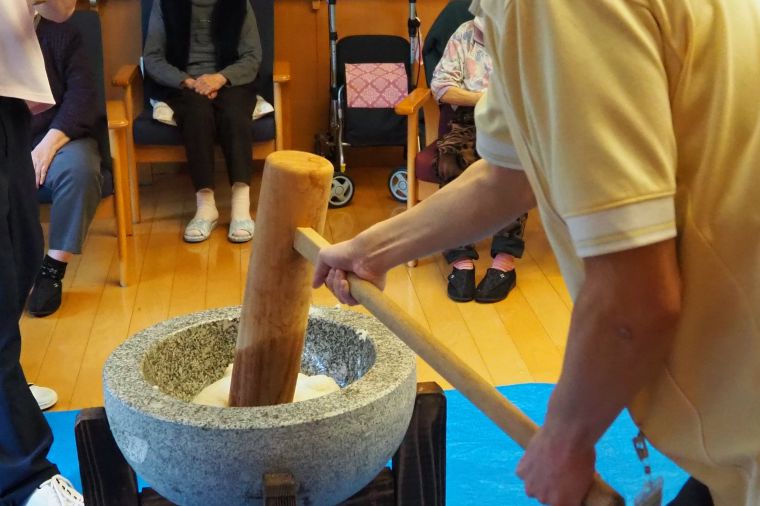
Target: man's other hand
[[556, 471]]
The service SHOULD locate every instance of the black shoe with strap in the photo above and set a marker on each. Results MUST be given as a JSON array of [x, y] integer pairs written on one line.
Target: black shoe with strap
[[461, 286], [495, 286], [48, 287]]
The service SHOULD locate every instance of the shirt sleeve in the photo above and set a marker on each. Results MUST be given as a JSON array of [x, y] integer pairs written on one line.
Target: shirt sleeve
[[449, 73], [493, 139], [244, 70], [590, 98], [76, 116], [154, 53]]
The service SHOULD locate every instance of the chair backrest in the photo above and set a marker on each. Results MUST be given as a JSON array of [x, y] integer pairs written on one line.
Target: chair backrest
[[264, 12], [88, 24], [454, 14]]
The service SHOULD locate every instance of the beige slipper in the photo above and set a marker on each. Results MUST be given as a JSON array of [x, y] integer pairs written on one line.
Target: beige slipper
[[236, 226], [203, 227]]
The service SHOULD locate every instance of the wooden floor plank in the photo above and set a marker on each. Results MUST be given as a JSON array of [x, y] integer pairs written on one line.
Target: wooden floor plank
[[540, 250], [157, 274], [443, 317], [111, 325]]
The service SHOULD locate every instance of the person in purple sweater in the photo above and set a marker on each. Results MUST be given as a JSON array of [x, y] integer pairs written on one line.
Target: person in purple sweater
[[67, 157]]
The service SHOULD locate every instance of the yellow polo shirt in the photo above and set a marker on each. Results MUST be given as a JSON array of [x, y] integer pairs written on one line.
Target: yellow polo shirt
[[638, 121]]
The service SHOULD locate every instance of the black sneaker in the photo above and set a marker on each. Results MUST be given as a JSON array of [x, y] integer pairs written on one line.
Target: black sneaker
[[495, 286], [461, 285], [46, 294]]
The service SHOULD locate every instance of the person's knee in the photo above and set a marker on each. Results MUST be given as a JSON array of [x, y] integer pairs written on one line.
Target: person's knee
[[196, 117], [87, 175], [78, 163], [193, 110], [235, 118]]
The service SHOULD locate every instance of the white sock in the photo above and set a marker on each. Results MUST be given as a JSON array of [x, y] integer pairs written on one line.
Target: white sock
[[206, 208], [241, 202]]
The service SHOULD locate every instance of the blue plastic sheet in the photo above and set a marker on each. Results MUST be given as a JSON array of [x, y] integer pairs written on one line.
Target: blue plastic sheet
[[480, 459]]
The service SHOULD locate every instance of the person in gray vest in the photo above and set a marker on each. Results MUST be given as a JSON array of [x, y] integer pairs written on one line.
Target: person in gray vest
[[204, 56]]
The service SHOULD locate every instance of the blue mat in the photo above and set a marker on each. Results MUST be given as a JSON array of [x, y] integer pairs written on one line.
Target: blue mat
[[480, 459]]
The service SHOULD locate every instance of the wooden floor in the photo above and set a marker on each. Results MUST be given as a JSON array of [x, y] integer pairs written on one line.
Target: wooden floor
[[518, 340]]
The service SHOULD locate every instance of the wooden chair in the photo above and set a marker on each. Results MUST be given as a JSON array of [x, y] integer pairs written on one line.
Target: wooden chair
[[113, 121], [152, 142], [419, 163]]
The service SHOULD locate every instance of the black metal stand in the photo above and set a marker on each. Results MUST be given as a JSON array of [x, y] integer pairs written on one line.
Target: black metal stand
[[416, 478]]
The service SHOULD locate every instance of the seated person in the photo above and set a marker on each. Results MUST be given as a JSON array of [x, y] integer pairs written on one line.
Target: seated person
[[460, 79], [204, 55], [66, 157]]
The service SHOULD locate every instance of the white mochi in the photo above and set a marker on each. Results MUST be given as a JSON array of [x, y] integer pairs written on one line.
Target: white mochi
[[307, 387]]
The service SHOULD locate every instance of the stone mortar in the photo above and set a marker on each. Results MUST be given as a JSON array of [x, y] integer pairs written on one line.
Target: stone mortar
[[202, 455]]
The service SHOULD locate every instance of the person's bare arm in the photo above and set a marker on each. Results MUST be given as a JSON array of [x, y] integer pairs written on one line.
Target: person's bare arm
[[622, 328], [459, 96], [478, 203], [55, 10]]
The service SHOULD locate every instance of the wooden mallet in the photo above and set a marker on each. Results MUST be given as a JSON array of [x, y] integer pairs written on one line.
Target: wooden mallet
[[308, 243], [294, 193]]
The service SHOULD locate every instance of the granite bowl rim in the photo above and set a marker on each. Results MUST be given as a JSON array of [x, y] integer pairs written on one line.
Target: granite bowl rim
[[161, 406]]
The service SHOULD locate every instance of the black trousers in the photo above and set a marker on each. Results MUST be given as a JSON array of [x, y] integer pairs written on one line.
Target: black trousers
[[25, 436], [508, 240], [226, 120]]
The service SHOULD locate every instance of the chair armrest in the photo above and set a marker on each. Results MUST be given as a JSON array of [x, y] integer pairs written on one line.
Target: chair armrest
[[117, 114], [413, 102], [281, 73], [125, 76]]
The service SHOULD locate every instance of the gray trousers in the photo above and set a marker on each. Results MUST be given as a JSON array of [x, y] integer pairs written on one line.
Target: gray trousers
[[73, 185]]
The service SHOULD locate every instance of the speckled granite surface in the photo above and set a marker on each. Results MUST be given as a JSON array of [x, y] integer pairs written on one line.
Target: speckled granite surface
[[204, 455]]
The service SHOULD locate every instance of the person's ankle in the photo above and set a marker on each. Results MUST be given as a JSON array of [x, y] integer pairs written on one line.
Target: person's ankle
[[463, 264], [60, 255], [240, 203], [503, 262], [206, 205]]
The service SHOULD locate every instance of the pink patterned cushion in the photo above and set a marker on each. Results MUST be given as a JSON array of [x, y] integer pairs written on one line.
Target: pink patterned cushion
[[375, 85]]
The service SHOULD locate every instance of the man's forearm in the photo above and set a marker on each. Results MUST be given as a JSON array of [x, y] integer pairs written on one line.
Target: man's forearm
[[622, 328], [479, 202], [56, 10]]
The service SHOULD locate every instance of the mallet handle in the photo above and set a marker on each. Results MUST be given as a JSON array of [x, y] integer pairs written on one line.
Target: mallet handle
[[465, 379]]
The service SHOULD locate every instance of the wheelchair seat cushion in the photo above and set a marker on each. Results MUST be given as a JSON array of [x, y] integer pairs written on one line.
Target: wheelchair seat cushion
[[148, 131]]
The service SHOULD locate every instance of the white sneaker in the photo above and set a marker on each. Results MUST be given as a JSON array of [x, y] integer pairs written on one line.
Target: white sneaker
[[57, 491], [45, 397]]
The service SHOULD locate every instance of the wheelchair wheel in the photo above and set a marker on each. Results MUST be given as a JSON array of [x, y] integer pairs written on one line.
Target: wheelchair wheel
[[398, 184], [342, 190]]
